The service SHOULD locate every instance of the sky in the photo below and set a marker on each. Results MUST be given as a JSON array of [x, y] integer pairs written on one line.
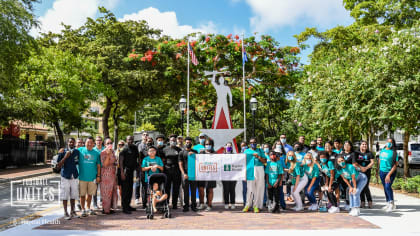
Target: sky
[[279, 18]]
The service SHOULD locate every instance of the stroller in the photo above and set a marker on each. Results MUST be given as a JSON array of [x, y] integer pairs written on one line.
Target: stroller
[[162, 207]]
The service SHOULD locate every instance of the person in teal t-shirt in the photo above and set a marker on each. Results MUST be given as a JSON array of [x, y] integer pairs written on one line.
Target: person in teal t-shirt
[[299, 179], [356, 182], [312, 171], [199, 147], [255, 188], [328, 180], [151, 164], [388, 159], [274, 176]]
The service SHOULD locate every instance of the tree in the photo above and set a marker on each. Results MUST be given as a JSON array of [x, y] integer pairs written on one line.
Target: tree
[[16, 20], [63, 85]]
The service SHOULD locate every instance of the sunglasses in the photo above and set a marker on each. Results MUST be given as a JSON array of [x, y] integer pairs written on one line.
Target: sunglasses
[[108, 143]]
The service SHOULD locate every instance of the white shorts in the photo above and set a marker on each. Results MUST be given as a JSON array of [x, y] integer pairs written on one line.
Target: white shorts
[[69, 188]]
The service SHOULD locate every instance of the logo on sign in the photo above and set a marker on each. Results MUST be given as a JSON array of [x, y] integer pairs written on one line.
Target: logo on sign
[[227, 167], [208, 167]]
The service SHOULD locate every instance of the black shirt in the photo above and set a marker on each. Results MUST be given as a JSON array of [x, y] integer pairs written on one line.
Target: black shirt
[[363, 159], [348, 157], [183, 157], [130, 156], [171, 157]]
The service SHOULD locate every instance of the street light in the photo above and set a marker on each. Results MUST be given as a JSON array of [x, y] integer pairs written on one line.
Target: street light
[[182, 107], [253, 104]]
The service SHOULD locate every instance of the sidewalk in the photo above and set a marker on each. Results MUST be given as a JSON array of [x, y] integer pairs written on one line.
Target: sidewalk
[[404, 221], [25, 172]]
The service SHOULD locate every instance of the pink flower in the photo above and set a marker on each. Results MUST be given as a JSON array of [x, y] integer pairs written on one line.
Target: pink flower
[[295, 121], [300, 124]]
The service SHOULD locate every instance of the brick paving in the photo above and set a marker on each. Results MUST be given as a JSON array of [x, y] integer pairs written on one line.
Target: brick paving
[[24, 172], [217, 219]]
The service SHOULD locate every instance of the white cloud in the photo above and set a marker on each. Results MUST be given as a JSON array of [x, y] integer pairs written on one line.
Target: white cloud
[[168, 22], [272, 14], [70, 12]]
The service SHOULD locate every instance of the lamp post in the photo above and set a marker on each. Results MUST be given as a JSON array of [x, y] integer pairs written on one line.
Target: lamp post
[[253, 104], [182, 107]]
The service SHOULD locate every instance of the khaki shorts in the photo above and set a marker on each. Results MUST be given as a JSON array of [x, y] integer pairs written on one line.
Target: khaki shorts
[[86, 187]]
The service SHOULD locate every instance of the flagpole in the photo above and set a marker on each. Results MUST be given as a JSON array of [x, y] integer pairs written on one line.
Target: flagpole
[[243, 81], [188, 89]]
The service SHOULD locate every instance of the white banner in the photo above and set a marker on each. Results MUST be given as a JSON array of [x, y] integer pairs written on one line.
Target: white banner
[[220, 167]]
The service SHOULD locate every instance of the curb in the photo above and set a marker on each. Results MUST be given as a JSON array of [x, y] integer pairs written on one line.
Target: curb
[[7, 180]]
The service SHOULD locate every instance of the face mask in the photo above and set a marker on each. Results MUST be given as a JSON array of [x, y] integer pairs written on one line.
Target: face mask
[[308, 162], [208, 147], [160, 143], [266, 150], [389, 145], [172, 143], [253, 145], [290, 158], [149, 144], [229, 149], [188, 145], [283, 140], [323, 160], [313, 147], [298, 149], [202, 141], [342, 164], [244, 148]]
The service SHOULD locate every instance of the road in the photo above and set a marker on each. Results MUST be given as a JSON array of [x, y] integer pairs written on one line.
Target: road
[[11, 215]]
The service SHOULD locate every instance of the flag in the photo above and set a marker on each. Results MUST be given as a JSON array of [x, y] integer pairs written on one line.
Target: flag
[[193, 57], [244, 57]]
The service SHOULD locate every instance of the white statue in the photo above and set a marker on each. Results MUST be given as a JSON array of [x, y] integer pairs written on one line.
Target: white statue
[[222, 90]]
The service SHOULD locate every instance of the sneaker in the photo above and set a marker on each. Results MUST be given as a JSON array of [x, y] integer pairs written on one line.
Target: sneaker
[[357, 211], [256, 210], [333, 209], [137, 201], [91, 212], [394, 207], [95, 206], [389, 208], [233, 207], [84, 213], [353, 211], [201, 206], [314, 207], [208, 208], [246, 209], [74, 215], [226, 206], [386, 206], [67, 216], [298, 209]]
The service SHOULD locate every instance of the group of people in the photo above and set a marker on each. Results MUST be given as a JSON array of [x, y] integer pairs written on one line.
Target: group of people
[[321, 172]]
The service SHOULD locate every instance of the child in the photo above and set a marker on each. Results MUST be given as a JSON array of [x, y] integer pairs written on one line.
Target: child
[[274, 176], [157, 196], [329, 180]]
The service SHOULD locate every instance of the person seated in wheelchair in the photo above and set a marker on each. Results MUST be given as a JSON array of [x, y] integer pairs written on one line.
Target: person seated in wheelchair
[[157, 196]]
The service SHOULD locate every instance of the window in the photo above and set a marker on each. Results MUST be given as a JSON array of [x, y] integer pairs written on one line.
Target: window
[[415, 147]]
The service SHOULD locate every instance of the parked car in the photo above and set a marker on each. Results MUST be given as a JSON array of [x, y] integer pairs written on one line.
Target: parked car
[[413, 154], [54, 164]]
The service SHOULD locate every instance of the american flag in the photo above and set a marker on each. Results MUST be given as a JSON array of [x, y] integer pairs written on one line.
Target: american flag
[[193, 57]]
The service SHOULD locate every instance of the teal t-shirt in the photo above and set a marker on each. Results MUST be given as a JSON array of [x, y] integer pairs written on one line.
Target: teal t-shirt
[[337, 151], [311, 172], [299, 156], [386, 160], [320, 148], [348, 171], [326, 168], [198, 148], [250, 153], [297, 171], [88, 161], [273, 170], [147, 161]]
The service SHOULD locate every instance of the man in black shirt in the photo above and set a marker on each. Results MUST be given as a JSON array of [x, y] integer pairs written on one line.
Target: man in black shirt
[[141, 147], [171, 169], [186, 183], [128, 164]]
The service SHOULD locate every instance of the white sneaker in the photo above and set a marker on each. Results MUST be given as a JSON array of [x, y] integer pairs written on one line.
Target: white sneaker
[[201, 206], [233, 207], [386, 206], [298, 209], [394, 207], [358, 211], [226, 206], [334, 209], [67, 216], [314, 207], [390, 208], [353, 212], [293, 208], [208, 208], [137, 201]]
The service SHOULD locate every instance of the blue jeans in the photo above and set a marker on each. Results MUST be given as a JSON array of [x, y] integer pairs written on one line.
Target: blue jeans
[[389, 194], [360, 185], [244, 191], [310, 192]]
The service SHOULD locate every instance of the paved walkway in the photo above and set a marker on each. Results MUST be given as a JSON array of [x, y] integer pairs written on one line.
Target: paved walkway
[[26, 172], [405, 221]]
